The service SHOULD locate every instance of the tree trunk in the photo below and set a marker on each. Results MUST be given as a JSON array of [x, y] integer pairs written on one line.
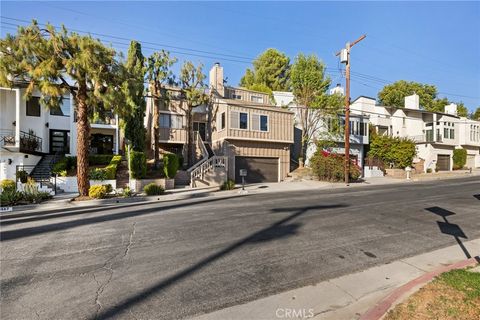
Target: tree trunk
[[156, 132], [83, 140], [190, 137]]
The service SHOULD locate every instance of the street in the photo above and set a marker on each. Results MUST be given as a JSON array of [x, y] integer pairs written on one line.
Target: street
[[178, 259]]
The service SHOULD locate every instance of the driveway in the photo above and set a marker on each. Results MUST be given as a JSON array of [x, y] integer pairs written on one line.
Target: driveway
[[183, 258]]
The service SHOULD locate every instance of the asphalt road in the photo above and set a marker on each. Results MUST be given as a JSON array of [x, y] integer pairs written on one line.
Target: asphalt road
[[182, 258]]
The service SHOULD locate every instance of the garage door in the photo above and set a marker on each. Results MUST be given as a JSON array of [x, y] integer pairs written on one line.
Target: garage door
[[258, 169], [470, 161], [443, 162]]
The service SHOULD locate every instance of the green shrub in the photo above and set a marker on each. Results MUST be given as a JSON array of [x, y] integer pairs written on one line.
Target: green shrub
[[127, 192], [109, 187], [10, 197], [331, 167], [170, 165], [152, 189], [64, 165], [31, 193], [7, 185], [97, 191], [459, 158], [399, 151], [22, 175], [100, 159], [228, 185], [97, 174], [429, 170], [138, 165]]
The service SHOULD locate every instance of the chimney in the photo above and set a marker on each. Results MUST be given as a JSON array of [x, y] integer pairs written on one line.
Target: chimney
[[412, 102], [338, 89], [451, 109], [216, 79]]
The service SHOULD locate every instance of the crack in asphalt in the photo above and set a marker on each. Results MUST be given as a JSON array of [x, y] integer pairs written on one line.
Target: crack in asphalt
[[132, 233], [108, 267]]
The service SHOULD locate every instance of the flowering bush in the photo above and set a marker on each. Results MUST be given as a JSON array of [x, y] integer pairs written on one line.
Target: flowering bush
[[331, 166]]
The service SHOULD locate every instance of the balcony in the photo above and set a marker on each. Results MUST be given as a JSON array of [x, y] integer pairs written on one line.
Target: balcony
[[29, 142], [426, 138], [108, 118], [173, 135]]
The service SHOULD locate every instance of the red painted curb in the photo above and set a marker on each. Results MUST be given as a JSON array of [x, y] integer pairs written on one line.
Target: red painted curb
[[376, 312]]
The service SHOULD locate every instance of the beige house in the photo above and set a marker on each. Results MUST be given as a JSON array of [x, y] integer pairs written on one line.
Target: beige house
[[239, 128], [254, 134]]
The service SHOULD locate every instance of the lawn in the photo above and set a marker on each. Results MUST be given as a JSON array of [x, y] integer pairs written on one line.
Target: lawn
[[454, 295]]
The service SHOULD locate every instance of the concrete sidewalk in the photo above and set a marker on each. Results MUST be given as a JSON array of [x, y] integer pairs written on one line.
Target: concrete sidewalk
[[346, 297]]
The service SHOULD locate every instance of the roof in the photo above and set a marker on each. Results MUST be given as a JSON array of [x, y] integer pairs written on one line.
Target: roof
[[367, 97], [254, 105]]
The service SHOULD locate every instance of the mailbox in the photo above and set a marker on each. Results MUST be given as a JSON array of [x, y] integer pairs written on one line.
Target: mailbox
[[243, 172]]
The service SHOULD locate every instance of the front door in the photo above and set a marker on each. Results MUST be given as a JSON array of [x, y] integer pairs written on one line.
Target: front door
[[101, 144], [59, 141], [201, 127]]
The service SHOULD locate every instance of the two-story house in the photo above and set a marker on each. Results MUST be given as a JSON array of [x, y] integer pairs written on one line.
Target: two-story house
[[436, 134], [29, 133], [238, 125], [358, 130]]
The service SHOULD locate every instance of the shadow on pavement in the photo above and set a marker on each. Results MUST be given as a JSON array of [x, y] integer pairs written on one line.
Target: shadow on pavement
[[278, 230], [451, 229], [32, 231]]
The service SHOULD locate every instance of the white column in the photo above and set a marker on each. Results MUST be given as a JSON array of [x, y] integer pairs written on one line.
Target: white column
[[116, 134], [434, 127], [17, 117]]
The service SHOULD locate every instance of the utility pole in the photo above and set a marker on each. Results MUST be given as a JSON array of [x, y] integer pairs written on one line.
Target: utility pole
[[345, 58]]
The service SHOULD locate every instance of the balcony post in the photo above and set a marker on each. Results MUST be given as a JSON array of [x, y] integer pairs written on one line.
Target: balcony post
[[434, 127], [17, 117], [116, 134]]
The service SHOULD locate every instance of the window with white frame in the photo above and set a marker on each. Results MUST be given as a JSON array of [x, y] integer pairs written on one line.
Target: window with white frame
[[257, 99], [63, 109], [452, 133], [221, 120], [259, 122], [238, 120]]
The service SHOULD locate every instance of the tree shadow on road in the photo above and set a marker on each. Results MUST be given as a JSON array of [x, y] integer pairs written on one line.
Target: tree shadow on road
[[451, 229], [276, 231]]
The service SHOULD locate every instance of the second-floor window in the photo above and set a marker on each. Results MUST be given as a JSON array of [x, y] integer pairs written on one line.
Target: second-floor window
[[259, 122], [221, 125], [257, 99], [173, 121], [238, 120], [62, 110], [33, 107], [452, 134]]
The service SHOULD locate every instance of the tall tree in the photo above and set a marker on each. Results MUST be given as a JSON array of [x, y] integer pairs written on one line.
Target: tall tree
[[310, 89], [193, 94], [394, 94], [159, 75], [47, 60], [271, 72], [133, 89], [462, 111]]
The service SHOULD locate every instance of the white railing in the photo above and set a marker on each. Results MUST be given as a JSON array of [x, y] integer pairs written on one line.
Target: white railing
[[199, 143], [207, 166]]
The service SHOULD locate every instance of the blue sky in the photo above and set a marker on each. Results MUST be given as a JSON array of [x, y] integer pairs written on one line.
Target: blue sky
[[431, 42]]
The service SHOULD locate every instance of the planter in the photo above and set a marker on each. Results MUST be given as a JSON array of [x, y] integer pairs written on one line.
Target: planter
[[137, 185], [69, 184]]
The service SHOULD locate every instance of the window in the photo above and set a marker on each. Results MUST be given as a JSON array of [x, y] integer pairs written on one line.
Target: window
[[452, 133], [243, 120], [445, 133], [63, 110], [257, 99], [236, 96], [259, 122], [33, 107], [362, 129], [173, 121], [222, 121], [403, 122]]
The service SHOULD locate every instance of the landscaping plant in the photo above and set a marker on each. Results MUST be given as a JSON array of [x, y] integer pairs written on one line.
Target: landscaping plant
[[331, 167], [393, 150], [228, 185], [152, 189], [459, 158], [170, 165], [98, 191], [7, 185], [22, 175], [138, 165]]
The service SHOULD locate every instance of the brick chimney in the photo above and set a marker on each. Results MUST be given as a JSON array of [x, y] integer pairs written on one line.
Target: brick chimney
[[216, 79]]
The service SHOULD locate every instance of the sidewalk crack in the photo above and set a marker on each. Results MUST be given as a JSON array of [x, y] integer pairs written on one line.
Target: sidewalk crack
[[348, 293], [411, 265]]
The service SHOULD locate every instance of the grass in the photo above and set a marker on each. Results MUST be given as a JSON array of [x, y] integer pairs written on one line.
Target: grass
[[454, 295]]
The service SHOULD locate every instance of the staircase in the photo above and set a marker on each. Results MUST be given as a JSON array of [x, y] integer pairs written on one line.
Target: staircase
[[211, 172], [43, 169]]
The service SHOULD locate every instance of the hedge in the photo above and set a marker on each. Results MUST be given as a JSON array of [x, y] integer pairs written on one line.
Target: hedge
[[398, 151], [97, 191], [459, 158], [138, 165], [70, 163], [171, 164]]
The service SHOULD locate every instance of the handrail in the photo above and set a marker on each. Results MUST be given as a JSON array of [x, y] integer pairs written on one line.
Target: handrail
[[207, 166], [204, 152]]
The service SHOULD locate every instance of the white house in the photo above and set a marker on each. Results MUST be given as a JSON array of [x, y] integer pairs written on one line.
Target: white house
[[29, 132], [358, 130], [436, 134]]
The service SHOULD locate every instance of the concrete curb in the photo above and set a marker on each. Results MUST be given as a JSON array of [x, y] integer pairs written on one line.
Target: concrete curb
[[383, 306]]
